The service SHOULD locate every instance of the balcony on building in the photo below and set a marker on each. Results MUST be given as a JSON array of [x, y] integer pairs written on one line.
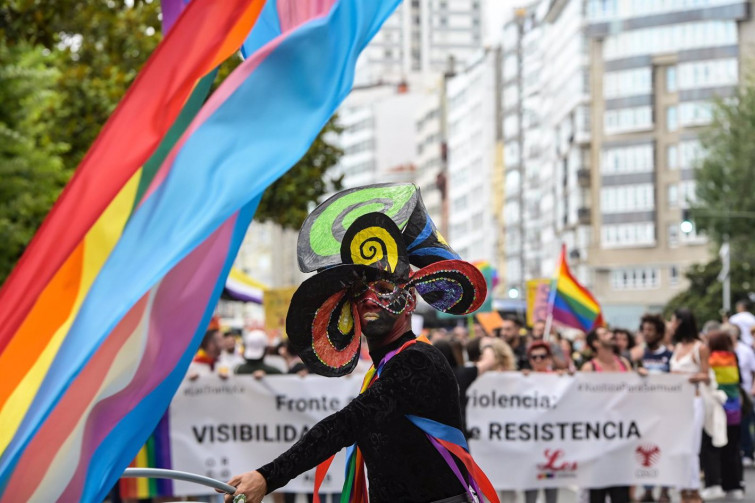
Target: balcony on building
[[583, 177], [584, 216]]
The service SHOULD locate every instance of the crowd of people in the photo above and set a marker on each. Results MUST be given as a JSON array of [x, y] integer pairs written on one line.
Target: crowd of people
[[719, 358]]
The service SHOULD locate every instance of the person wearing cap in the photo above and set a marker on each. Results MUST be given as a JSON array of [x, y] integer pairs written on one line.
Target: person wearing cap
[[255, 347], [405, 426]]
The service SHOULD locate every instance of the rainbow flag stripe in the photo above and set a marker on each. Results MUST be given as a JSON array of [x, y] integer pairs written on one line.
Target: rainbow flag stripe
[[726, 369], [570, 303], [103, 313], [154, 454]]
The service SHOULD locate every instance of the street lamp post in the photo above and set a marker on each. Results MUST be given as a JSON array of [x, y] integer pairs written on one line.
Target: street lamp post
[[724, 275]]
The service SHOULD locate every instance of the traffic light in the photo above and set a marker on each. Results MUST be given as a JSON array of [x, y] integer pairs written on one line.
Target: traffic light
[[687, 225]]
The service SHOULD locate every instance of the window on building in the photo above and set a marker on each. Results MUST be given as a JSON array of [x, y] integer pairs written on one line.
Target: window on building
[[671, 79], [627, 198], [460, 203], [513, 182], [672, 123], [670, 38], [695, 113], [622, 160], [690, 152], [635, 278], [511, 214], [514, 270], [477, 221], [709, 73], [673, 275], [511, 126], [510, 66], [687, 193], [510, 96], [672, 195], [634, 82], [672, 157], [511, 153], [625, 120], [628, 235], [673, 235]]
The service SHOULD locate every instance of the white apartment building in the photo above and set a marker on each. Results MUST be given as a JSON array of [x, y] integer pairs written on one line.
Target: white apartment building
[[431, 150], [420, 37], [546, 133], [603, 101], [566, 126], [656, 66], [521, 118], [471, 134], [379, 136]]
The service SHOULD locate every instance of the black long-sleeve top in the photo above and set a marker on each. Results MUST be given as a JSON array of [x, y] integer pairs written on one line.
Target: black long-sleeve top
[[402, 465]]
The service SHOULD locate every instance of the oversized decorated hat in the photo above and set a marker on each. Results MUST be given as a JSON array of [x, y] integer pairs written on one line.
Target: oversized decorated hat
[[361, 235]]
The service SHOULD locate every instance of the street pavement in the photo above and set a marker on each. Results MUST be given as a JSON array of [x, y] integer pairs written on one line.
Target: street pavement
[[572, 495]]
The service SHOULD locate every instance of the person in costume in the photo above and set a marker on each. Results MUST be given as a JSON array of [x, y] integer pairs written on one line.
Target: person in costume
[[405, 426]]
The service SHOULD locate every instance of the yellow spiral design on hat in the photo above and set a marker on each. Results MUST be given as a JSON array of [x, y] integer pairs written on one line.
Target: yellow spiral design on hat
[[373, 244]]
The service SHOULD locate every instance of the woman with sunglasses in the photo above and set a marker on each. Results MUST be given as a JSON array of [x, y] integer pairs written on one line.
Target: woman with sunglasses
[[541, 360]]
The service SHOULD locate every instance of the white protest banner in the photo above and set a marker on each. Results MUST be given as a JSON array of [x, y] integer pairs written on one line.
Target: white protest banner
[[219, 428], [586, 430]]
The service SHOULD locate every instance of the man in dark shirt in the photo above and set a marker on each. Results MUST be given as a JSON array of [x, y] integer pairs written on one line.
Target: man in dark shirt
[[413, 384], [656, 359]]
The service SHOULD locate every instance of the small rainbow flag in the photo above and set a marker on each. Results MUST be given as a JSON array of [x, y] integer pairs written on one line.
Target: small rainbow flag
[[154, 454], [570, 303]]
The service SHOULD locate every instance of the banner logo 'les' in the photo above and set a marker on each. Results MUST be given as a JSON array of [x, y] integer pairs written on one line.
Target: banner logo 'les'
[[554, 462]]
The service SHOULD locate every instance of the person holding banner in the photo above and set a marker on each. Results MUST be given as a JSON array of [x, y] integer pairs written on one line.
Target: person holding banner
[[405, 426], [656, 359], [691, 357], [603, 344], [541, 360]]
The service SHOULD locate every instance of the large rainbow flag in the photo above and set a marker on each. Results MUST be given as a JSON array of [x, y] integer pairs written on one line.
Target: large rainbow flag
[[107, 306], [570, 303]]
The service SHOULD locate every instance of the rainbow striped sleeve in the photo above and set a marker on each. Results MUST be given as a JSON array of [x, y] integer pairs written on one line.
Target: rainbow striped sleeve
[[570, 303], [103, 313], [726, 369]]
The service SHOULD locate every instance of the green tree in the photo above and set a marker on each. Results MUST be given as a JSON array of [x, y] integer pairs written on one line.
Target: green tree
[[31, 163], [724, 206], [101, 47], [94, 50], [704, 294], [724, 203]]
